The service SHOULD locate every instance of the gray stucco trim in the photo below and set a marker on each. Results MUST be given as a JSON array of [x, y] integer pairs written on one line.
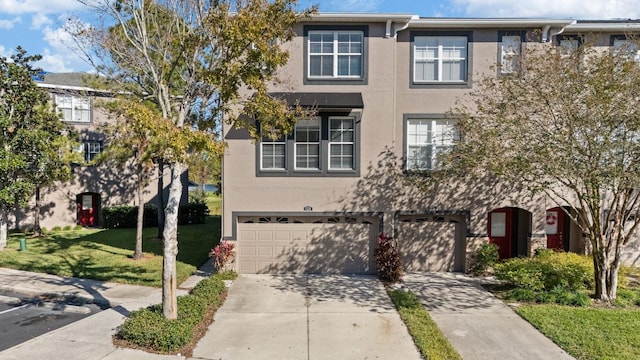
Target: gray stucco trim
[[235, 215], [442, 85], [324, 170], [337, 81]]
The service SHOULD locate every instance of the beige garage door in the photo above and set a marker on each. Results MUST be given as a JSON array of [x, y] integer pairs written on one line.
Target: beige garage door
[[312, 245], [430, 246]]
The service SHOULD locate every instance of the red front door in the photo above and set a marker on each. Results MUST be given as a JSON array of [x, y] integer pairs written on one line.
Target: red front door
[[555, 228], [500, 231], [87, 210]]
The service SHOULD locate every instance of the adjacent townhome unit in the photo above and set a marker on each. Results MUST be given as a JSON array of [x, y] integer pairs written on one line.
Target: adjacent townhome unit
[[93, 187], [381, 85]]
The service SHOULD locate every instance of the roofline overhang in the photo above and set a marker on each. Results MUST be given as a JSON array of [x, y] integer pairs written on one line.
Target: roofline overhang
[[497, 23], [602, 27], [361, 17]]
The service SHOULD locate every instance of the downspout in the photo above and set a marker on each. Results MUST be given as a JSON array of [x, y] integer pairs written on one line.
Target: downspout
[[547, 36]]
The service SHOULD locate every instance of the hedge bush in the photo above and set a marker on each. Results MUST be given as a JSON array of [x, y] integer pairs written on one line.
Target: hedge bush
[[149, 329], [548, 277], [127, 216]]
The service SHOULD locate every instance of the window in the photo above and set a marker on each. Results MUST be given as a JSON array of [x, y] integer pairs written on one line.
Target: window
[[623, 45], [273, 153], [335, 54], [568, 44], [425, 139], [91, 150], [73, 108], [326, 145], [341, 143], [510, 50], [307, 148], [440, 59]]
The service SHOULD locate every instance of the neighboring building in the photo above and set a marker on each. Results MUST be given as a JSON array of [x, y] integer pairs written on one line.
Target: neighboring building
[[316, 200], [80, 201]]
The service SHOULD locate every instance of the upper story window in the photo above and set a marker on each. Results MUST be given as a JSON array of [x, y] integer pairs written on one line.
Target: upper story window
[[73, 108], [325, 145], [307, 147], [510, 52], [425, 138], [621, 44], [568, 44], [335, 54], [440, 59], [273, 154], [90, 149]]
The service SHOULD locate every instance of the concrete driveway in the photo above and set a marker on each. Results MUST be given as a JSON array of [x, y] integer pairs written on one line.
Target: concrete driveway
[[307, 317]]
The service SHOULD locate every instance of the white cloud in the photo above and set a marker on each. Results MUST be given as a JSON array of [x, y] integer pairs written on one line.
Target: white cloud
[[9, 24], [39, 20], [54, 62], [579, 9], [38, 6], [353, 5]]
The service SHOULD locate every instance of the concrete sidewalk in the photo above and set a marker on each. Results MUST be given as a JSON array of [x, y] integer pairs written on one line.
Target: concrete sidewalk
[[307, 317], [91, 337], [478, 325]]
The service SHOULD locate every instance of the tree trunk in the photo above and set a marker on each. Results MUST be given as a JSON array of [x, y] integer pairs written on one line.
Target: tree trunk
[[170, 235], [160, 197], [605, 271], [137, 253], [37, 230], [3, 230]]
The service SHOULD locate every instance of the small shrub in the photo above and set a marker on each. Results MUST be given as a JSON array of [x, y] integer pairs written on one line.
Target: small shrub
[[228, 275], [223, 255], [56, 228], [486, 257], [67, 228], [388, 259], [77, 227], [149, 329]]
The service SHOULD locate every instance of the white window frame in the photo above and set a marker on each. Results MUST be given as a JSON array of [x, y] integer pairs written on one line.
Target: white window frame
[[510, 54], [425, 138], [91, 149], [618, 44], [335, 54], [421, 44], [309, 126], [266, 141], [342, 142], [73, 108]]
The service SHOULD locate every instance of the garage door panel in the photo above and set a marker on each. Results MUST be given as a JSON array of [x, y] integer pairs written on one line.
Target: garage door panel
[[306, 248], [427, 246]]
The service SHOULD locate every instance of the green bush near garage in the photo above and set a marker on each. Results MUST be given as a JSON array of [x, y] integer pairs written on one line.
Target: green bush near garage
[[548, 277], [122, 217], [147, 328]]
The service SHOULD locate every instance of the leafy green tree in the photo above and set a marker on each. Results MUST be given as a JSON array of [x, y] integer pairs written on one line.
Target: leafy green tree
[[194, 60], [137, 137], [35, 145], [567, 125], [205, 168]]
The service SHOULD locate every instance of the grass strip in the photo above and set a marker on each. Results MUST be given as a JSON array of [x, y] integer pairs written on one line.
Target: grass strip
[[588, 333], [429, 339]]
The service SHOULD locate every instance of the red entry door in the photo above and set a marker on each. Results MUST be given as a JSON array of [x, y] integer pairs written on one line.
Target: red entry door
[[86, 210], [555, 228], [500, 231]]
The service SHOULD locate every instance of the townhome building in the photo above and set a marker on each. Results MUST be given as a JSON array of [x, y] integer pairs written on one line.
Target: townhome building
[[80, 201], [382, 85]]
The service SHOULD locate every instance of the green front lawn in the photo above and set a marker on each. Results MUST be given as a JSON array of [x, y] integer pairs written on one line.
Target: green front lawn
[[105, 255], [588, 333]]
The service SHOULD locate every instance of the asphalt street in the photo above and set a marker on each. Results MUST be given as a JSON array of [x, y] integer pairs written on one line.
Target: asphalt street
[[21, 320]]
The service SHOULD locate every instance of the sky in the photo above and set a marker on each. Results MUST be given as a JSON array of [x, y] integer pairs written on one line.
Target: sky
[[37, 25]]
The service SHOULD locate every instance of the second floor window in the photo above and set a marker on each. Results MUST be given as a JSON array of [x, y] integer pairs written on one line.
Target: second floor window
[[624, 46], [440, 59], [510, 51], [91, 149], [425, 139], [335, 54], [307, 149], [73, 108]]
